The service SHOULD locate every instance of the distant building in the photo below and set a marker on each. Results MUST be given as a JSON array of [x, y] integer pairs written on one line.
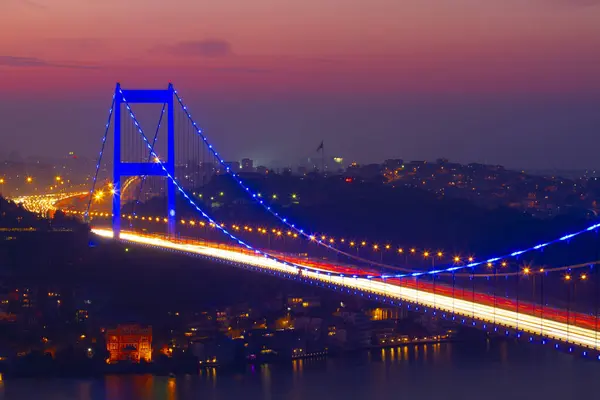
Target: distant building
[[357, 330], [383, 314], [129, 343], [393, 164], [233, 165], [261, 169], [217, 351], [303, 302], [369, 171], [247, 165]]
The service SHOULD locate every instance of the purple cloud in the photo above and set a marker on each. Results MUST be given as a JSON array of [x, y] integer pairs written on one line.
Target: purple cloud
[[577, 3], [241, 70], [77, 43], [16, 61], [202, 48]]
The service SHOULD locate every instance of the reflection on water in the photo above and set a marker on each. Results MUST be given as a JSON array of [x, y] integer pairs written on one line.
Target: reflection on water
[[446, 371]]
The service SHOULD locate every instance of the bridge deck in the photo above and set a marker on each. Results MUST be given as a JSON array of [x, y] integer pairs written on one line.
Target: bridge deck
[[575, 328]]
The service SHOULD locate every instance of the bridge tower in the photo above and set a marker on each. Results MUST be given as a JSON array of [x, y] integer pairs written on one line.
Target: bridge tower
[[125, 169]]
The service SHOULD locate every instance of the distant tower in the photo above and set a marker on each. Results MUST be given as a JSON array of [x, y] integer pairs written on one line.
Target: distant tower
[[247, 165]]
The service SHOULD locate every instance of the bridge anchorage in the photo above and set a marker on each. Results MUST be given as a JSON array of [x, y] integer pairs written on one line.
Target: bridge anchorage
[[542, 302]]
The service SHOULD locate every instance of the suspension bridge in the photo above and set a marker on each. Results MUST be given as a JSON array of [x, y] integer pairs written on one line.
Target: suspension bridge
[[553, 305]]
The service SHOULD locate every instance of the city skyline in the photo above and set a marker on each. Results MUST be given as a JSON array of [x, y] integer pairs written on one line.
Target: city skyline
[[511, 83]]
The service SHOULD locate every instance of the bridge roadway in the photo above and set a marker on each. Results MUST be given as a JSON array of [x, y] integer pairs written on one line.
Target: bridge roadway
[[569, 327]]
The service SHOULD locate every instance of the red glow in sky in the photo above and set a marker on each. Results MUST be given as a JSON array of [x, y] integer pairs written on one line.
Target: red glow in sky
[[311, 45], [465, 79]]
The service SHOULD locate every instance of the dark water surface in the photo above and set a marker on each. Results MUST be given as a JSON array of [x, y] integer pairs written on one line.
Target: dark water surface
[[493, 370]]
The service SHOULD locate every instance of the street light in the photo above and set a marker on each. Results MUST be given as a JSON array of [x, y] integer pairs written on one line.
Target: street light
[[58, 179], [29, 179]]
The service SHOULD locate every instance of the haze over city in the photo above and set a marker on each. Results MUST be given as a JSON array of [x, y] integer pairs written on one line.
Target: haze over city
[[503, 82]]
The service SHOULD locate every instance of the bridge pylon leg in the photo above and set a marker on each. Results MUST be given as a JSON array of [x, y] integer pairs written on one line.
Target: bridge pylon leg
[[171, 190], [116, 199]]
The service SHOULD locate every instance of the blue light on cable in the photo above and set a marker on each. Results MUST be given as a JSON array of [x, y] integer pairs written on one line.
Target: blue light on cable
[[310, 236]]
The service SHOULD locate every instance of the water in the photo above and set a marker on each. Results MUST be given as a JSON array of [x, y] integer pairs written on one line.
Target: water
[[489, 371]]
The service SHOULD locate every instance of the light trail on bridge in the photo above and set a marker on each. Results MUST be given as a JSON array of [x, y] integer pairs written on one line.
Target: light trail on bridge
[[389, 289], [41, 204]]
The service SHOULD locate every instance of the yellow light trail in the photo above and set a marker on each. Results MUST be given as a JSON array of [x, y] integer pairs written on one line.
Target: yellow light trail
[[44, 203], [522, 322]]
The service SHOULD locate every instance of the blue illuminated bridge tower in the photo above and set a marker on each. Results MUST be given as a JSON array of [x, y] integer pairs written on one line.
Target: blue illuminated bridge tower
[[127, 169]]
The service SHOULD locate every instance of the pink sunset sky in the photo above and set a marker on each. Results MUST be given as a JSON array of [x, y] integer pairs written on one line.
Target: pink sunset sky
[[270, 50], [327, 45]]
